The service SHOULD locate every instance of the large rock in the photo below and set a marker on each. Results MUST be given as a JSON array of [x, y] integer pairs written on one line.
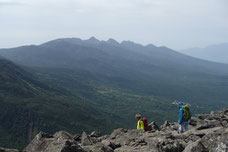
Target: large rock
[[216, 141], [95, 134], [85, 140], [153, 126], [98, 147], [77, 138], [108, 142], [195, 147], [62, 135], [60, 142]]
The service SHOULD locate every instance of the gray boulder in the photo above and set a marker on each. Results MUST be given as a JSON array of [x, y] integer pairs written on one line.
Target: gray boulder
[[95, 134], [85, 140], [216, 141], [98, 147], [77, 138], [153, 126], [60, 142], [195, 147]]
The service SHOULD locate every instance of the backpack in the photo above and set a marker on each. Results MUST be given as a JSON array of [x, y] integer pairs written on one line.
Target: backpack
[[187, 112], [146, 128]]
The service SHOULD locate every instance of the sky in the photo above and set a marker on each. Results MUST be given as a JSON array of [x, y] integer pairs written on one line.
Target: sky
[[177, 24]]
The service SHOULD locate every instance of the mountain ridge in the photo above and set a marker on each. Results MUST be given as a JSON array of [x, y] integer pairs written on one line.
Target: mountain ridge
[[122, 65], [216, 53], [124, 45]]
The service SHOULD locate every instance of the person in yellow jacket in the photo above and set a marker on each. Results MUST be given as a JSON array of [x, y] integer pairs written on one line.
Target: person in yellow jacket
[[140, 124]]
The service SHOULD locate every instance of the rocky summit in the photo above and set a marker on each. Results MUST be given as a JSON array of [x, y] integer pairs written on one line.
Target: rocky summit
[[207, 133]]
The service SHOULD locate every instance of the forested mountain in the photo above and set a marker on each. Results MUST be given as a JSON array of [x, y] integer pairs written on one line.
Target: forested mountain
[[216, 53], [28, 106], [92, 83], [143, 69]]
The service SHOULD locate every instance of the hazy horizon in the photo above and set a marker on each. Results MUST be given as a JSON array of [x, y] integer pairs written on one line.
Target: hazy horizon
[[176, 24]]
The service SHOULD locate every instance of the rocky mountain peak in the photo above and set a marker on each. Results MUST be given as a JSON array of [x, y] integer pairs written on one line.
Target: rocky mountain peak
[[207, 132], [92, 40], [151, 46], [113, 42]]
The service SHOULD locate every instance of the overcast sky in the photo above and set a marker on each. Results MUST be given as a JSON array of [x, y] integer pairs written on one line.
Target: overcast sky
[[176, 24]]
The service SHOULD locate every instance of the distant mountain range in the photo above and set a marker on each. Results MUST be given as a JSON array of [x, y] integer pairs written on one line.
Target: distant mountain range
[[76, 85], [77, 53], [216, 53]]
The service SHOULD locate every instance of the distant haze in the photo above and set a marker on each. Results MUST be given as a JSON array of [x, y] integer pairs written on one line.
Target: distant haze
[[216, 53], [177, 24]]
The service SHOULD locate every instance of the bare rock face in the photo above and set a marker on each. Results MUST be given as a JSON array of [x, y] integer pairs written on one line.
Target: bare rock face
[[166, 124], [95, 134], [85, 140], [208, 133], [153, 126], [98, 147], [59, 142], [195, 147], [216, 141]]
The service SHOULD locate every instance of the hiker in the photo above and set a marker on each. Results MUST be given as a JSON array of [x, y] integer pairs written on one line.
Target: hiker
[[184, 117], [140, 124]]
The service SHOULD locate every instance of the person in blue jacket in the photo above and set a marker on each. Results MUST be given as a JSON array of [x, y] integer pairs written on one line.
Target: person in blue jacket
[[182, 122]]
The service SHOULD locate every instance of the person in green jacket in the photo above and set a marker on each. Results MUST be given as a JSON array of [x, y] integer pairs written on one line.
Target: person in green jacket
[[140, 124]]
